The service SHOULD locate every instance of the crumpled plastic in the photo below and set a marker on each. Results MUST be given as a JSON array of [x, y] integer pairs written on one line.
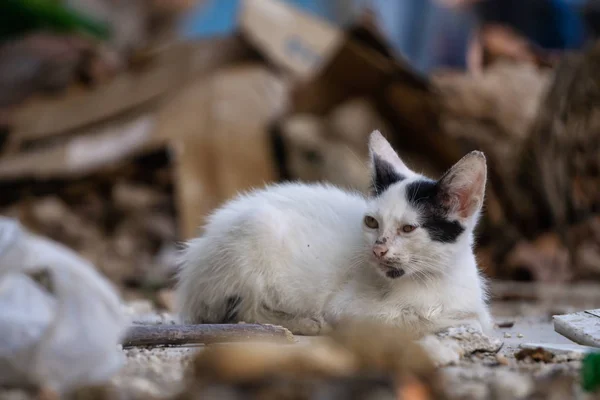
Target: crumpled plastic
[[62, 332]]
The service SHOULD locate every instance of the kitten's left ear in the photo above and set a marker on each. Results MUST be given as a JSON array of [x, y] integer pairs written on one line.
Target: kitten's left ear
[[462, 188], [386, 166]]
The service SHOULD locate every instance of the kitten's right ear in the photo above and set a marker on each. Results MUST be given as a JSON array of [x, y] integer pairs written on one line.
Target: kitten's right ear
[[386, 166], [462, 188]]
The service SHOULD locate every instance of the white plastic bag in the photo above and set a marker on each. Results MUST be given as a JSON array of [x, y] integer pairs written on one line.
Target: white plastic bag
[[63, 337]]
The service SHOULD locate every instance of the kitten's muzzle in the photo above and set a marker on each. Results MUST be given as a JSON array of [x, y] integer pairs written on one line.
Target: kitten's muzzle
[[380, 250]]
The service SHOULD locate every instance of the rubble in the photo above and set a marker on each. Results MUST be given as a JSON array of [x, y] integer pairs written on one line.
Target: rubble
[[572, 351], [450, 346], [122, 237], [537, 354], [582, 327]]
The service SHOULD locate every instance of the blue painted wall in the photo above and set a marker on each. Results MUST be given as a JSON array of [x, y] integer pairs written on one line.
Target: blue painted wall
[[218, 17], [426, 34]]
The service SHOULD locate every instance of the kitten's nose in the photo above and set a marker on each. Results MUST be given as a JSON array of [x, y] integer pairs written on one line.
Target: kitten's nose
[[380, 250]]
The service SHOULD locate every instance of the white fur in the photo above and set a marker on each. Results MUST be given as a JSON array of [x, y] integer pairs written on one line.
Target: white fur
[[300, 256]]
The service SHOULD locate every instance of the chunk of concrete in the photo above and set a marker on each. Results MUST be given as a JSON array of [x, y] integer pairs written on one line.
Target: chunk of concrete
[[581, 327], [451, 345], [560, 349]]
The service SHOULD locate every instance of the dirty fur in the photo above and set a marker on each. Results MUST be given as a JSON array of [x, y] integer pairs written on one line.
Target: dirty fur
[[306, 256]]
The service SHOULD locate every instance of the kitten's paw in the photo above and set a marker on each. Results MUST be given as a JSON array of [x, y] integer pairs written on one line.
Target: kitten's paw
[[309, 326]]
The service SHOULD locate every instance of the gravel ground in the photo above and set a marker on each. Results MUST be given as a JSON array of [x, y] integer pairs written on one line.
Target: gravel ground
[[160, 372]]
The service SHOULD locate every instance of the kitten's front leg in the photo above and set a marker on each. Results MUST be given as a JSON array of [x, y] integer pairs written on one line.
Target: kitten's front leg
[[481, 321]]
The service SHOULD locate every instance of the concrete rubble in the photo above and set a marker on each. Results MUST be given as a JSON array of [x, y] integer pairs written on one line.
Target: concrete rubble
[[473, 366], [581, 327]]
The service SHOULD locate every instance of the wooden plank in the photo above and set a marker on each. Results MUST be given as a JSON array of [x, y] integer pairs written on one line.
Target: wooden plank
[[581, 327], [83, 154], [54, 115], [218, 130], [81, 108]]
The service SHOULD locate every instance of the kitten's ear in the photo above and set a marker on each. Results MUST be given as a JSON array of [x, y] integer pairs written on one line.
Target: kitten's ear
[[386, 167], [462, 188]]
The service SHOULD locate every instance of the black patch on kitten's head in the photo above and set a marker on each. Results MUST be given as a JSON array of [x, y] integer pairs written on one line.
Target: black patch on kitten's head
[[384, 176], [426, 196]]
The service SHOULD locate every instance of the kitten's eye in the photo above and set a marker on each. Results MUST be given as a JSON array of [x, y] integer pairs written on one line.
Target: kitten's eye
[[408, 228], [371, 222]]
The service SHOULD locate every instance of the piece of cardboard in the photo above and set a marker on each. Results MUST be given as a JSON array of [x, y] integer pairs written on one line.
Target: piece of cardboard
[[353, 71], [218, 130], [364, 66], [293, 40]]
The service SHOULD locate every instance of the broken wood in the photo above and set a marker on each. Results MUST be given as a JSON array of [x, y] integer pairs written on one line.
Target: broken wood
[[84, 154], [73, 110], [161, 335]]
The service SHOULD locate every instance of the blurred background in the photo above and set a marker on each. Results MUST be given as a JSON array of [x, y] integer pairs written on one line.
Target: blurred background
[[123, 123]]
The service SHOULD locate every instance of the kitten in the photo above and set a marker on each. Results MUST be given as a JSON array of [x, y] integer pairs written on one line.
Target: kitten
[[306, 256]]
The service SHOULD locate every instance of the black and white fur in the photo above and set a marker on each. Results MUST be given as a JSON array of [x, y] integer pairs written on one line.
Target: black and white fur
[[305, 256]]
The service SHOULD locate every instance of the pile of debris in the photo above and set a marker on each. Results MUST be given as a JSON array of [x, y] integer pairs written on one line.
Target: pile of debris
[[122, 221], [121, 169]]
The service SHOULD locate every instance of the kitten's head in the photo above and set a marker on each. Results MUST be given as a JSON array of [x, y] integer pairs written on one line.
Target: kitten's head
[[416, 226]]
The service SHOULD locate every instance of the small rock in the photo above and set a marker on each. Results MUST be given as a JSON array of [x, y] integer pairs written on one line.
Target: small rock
[[538, 354], [442, 353], [501, 359], [520, 335], [449, 346], [505, 324], [471, 339], [507, 335]]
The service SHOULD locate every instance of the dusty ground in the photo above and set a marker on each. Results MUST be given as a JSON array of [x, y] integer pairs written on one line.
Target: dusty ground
[[529, 306], [159, 372]]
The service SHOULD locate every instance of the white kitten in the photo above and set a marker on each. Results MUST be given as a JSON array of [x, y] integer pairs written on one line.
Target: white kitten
[[306, 256]]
